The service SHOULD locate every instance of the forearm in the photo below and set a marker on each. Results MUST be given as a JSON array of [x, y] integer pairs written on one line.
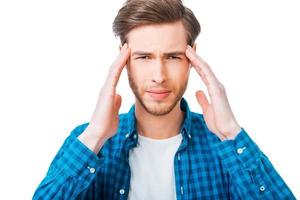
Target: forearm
[[92, 139]]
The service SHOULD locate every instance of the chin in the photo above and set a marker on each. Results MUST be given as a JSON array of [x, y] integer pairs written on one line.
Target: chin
[[159, 108]]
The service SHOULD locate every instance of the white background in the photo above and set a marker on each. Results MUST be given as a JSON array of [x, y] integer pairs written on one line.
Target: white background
[[54, 56]]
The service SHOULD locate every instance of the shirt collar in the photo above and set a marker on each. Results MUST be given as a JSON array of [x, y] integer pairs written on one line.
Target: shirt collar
[[185, 127]]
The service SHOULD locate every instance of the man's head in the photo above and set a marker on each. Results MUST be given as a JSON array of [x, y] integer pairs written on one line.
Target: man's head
[[157, 32]]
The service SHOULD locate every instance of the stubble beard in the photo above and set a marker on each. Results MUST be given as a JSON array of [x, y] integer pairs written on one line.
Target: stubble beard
[[160, 109]]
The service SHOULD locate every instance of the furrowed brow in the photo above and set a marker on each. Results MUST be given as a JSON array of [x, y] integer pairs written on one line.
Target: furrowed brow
[[173, 53], [139, 53]]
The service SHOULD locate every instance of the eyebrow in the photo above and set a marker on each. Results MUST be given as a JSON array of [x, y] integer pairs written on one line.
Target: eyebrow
[[173, 53]]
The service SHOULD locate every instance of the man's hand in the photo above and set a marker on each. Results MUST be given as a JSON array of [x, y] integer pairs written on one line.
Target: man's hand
[[217, 114], [105, 119]]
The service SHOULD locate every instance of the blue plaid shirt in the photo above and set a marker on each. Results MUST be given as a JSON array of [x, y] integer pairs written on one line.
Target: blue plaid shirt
[[205, 167]]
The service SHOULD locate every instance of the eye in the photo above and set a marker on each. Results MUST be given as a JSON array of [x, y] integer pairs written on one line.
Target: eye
[[144, 57], [174, 58]]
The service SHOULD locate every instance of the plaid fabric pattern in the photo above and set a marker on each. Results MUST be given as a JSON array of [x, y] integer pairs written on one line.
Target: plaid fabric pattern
[[205, 167]]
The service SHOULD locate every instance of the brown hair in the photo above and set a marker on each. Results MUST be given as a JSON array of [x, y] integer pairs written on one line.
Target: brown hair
[[136, 13]]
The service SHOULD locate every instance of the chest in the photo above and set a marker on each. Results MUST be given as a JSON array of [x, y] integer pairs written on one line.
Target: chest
[[192, 175], [152, 173]]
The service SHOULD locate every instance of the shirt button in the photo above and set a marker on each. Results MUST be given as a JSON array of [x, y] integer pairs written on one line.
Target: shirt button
[[92, 170], [262, 188], [241, 150], [190, 136], [122, 191], [134, 136], [127, 135], [181, 189]]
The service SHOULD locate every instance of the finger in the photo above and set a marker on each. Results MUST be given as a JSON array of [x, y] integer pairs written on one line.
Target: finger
[[201, 67], [202, 100], [213, 84], [202, 75], [118, 66]]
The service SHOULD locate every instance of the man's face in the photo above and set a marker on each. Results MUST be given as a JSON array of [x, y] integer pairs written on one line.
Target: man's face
[[158, 69]]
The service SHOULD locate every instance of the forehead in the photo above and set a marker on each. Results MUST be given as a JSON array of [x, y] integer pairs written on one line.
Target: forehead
[[158, 37]]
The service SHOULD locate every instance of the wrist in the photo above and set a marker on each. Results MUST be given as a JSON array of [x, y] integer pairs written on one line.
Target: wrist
[[93, 139], [232, 134], [96, 132]]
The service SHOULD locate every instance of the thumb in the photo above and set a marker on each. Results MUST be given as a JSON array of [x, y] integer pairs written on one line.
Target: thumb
[[202, 100]]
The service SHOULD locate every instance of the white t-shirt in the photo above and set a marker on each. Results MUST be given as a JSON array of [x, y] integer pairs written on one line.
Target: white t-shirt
[[152, 168]]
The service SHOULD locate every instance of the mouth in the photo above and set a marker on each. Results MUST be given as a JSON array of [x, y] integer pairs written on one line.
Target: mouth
[[158, 94]]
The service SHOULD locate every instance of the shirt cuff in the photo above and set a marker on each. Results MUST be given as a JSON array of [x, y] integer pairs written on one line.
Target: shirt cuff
[[239, 153], [79, 161]]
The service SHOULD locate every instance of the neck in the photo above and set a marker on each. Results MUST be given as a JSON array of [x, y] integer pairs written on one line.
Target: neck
[[158, 127]]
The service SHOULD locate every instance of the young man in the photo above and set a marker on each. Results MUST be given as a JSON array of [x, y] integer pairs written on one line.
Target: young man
[[160, 149]]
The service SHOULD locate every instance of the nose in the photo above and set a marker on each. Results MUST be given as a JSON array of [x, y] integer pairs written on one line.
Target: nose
[[159, 71]]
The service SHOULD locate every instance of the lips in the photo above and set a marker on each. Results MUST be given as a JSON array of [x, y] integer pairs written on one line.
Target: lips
[[158, 94], [159, 91]]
